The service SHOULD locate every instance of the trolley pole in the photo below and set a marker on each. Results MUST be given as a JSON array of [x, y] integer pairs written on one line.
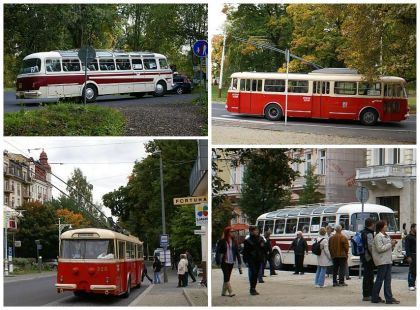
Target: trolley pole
[[165, 275]]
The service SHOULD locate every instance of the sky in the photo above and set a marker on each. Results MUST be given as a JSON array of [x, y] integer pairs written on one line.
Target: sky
[[105, 162], [217, 19]]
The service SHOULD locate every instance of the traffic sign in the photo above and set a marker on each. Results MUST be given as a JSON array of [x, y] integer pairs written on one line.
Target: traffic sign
[[200, 48], [87, 54], [189, 200], [164, 241], [18, 244], [9, 251], [362, 194]]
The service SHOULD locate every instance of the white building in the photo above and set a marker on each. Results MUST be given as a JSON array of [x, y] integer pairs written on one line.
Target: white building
[[390, 176]]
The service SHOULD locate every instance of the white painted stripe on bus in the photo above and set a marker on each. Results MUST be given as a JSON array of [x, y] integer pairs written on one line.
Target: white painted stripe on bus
[[231, 118]]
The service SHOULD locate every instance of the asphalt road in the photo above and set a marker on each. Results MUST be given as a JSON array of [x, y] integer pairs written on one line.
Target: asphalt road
[[41, 292], [401, 132], [11, 104]]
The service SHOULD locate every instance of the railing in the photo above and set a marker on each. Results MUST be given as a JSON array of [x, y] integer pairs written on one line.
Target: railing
[[300, 182], [374, 172]]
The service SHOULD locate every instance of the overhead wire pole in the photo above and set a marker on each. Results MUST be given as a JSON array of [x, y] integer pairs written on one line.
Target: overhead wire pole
[[221, 67], [286, 87]]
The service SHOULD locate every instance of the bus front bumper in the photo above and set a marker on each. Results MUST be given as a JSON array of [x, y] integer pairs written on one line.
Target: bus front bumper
[[30, 94]]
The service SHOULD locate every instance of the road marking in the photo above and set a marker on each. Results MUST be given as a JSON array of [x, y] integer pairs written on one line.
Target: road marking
[[231, 118]]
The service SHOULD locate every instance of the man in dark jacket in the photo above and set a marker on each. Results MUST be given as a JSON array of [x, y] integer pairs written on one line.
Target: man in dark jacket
[[253, 255], [269, 253], [190, 266], [367, 260], [299, 246], [410, 252]]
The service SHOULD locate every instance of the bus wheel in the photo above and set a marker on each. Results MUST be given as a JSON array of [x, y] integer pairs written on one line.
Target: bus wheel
[[90, 92], [277, 260], [272, 112], [160, 89], [369, 117], [128, 291]]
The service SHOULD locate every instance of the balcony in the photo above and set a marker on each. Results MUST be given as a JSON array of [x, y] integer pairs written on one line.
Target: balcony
[[9, 189], [378, 172], [300, 182], [26, 194]]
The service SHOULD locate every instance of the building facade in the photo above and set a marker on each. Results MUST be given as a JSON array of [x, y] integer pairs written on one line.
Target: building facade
[[390, 176]]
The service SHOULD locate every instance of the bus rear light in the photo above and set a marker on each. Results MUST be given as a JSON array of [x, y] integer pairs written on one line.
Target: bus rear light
[[75, 270]]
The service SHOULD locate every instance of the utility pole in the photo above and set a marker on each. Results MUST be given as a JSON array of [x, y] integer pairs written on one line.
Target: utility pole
[[221, 67]]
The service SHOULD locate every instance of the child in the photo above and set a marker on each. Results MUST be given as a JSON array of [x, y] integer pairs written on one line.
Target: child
[[182, 269]]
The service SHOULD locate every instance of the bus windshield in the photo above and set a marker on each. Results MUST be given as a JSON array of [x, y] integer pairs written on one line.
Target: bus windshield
[[358, 220], [30, 65], [87, 249], [390, 220]]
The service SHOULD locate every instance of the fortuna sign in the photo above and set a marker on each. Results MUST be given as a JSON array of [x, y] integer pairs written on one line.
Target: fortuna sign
[[189, 200]]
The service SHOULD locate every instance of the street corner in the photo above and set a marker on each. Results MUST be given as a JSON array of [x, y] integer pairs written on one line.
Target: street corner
[[300, 291]]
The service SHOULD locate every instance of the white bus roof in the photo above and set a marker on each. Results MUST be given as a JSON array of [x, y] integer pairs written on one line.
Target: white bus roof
[[311, 76], [97, 233], [99, 54], [320, 209]]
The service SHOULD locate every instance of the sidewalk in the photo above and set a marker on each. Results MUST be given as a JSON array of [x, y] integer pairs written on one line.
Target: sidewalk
[[28, 276], [287, 289], [168, 294]]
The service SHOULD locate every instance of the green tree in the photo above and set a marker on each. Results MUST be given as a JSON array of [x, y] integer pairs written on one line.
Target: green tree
[[267, 176], [310, 194]]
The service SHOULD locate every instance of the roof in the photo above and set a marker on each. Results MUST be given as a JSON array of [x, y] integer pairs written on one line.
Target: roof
[[99, 54], [102, 233], [319, 209], [311, 76]]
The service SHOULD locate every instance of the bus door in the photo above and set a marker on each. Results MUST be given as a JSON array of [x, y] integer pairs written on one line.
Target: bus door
[[232, 100], [245, 96], [256, 89], [321, 90], [120, 279]]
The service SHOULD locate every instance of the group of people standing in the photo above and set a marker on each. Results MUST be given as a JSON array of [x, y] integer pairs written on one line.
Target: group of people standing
[[333, 251]]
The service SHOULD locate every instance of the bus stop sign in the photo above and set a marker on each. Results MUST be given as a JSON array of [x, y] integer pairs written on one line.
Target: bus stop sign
[[362, 194], [200, 48], [87, 54]]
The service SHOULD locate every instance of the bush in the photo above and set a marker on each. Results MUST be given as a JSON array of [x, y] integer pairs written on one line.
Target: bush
[[65, 120]]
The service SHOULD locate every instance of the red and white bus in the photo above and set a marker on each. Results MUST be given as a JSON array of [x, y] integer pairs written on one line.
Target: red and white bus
[[285, 223], [99, 261], [324, 94], [60, 74]]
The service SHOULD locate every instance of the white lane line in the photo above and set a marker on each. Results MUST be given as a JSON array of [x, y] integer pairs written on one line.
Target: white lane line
[[230, 118]]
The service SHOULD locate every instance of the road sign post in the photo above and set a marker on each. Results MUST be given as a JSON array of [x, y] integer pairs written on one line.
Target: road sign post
[[86, 55], [200, 49], [362, 195]]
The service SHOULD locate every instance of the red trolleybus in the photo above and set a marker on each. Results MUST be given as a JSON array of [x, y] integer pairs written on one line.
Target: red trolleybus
[[60, 74], [99, 261], [284, 224], [324, 93]]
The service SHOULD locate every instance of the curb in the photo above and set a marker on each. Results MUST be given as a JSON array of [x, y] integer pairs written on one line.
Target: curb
[[140, 298], [187, 298]]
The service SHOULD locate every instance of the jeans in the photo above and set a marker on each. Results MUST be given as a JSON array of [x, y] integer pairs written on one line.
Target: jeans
[[156, 277], [412, 272], [383, 275], [320, 275], [253, 270], [185, 283], [227, 271], [299, 263], [338, 268], [368, 276]]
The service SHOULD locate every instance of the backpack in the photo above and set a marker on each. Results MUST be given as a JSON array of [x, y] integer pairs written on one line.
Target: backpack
[[316, 247], [357, 245]]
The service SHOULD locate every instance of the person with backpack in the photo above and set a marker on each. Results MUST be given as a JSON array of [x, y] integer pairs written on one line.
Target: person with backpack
[[410, 252], [227, 252], [157, 266], [320, 248], [367, 235]]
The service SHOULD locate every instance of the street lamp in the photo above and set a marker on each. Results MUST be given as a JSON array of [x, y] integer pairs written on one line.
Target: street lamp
[[60, 229], [165, 275]]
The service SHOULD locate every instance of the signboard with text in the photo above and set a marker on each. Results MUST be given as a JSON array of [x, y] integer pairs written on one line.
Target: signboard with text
[[190, 200], [201, 214]]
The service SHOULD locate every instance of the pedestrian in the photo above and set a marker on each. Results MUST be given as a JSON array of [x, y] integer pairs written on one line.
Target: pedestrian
[[339, 249], [253, 255], [410, 252], [227, 252], [382, 257], [348, 234], [263, 263], [157, 266], [324, 259], [182, 269], [299, 246], [269, 253], [144, 274], [329, 234], [367, 260], [190, 266]]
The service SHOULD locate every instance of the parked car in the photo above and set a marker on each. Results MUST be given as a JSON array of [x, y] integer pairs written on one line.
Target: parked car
[[182, 84], [51, 263]]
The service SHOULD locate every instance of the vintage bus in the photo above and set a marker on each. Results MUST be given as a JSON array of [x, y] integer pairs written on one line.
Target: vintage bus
[[284, 224], [325, 94], [99, 261], [60, 74]]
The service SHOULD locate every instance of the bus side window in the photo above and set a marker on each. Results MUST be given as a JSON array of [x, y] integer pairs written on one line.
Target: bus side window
[[291, 226], [315, 221], [150, 64], [279, 227], [248, 85], [163, 64], [137, 64], [121, 249], [234, 84], [53, 65], [140, 254], [123, 64], [242, 85], [345, 221]]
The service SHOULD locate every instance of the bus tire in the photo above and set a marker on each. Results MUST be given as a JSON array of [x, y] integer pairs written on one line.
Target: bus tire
[[369, 117], [160, 89], [91, 92], [128, 291], [278, 264], [179, 91], [273, 112]]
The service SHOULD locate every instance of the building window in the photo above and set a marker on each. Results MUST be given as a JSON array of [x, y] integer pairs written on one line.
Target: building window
[[233, 175], [396, 156], [380, 157], [308, 157], [322, 168]]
